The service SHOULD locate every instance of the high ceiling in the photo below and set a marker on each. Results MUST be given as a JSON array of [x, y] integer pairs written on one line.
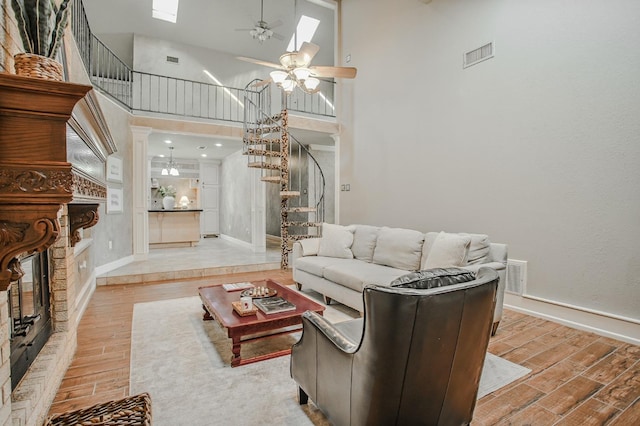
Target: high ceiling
[[212, 24]]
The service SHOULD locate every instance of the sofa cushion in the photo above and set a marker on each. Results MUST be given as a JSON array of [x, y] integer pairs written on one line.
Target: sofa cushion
[[399, 248], [431, 278], [479, 249], [429, 239], [448, 250], [315, 264], [355, 274], [336, 241], [364, 242]]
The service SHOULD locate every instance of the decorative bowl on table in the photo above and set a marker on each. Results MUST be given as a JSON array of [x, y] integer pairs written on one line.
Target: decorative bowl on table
[[259, 292]]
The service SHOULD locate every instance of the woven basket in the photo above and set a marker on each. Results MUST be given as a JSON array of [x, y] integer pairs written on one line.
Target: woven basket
[[130, 411], [36, 66]]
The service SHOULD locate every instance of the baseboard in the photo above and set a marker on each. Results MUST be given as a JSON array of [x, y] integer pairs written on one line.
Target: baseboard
[[85, 296], [108, 267], [236, 241], [615, 327]]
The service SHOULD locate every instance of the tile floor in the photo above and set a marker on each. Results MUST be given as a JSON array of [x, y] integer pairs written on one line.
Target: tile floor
[[212, 256]]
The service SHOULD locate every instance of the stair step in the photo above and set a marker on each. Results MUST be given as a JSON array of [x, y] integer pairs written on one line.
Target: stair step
[[257, 140], [271, 179], [263, 152], [302, 236], [264, 130], [289, 194], [276, 117], [263, 165], [304, 224], [302, 210]]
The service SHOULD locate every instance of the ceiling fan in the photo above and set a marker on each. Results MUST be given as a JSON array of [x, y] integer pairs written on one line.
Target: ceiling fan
[[295, 70], [262, 30]]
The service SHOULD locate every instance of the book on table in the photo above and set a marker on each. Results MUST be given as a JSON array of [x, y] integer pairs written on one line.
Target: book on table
[[274, 305], [237, 286]]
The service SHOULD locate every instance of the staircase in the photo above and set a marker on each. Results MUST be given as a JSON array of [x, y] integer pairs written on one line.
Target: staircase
[[286, 162]]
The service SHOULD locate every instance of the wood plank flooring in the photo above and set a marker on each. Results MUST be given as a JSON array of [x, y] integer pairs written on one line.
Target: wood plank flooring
[[577, 378]]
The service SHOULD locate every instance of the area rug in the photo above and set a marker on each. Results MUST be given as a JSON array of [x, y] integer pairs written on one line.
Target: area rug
[[183, 362]]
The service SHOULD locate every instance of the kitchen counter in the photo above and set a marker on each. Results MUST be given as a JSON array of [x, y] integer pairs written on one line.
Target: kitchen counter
[[168, 229], [173, 210]]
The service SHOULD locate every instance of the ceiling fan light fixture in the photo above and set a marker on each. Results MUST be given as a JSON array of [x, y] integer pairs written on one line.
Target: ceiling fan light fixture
[[287, 60], [278, 76], [301, 73], [288, 85], [311, 84]]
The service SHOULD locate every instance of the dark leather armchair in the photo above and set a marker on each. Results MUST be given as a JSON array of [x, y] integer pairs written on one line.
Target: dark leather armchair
[[414, 359]]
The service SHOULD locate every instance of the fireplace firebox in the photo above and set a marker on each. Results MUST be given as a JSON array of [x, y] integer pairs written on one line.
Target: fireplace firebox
[[29, 314]]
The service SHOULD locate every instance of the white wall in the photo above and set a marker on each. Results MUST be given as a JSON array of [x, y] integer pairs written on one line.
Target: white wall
[[538, 147], [150, 55], [235, 197]]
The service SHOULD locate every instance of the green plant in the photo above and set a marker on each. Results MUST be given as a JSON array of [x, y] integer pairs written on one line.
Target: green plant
[[41, 24], [167, 191]]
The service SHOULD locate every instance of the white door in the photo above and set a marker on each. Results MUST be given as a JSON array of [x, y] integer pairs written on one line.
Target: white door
[[210, 199]]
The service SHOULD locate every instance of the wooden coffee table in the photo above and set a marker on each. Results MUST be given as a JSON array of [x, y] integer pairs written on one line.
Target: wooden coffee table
[[216, 302]]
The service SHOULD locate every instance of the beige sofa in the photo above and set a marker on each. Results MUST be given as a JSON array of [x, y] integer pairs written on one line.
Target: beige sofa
[[347, 258]]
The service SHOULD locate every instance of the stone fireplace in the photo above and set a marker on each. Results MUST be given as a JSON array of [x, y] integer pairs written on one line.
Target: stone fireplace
[[53, 147]]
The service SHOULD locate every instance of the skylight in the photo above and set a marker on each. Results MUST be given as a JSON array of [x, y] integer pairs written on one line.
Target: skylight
[[167, 10], [305, 30]]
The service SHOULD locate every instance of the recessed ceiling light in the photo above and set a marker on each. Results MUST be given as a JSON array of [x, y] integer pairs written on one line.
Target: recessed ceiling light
[[167, 141], [161, 155], [218, 144], [203, 155]]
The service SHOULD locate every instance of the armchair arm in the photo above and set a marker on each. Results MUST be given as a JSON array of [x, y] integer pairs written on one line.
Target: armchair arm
[[335, 336]]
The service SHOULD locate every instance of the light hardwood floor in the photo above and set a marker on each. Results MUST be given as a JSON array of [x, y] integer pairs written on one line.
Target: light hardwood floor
[[577, 378]]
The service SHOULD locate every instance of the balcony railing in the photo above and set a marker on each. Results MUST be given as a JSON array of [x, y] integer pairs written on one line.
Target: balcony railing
[[168, 95], [320, 103], [139, 91]]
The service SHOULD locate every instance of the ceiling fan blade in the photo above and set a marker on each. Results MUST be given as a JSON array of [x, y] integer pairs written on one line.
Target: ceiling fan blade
[[259, 62], [262, 82], [244, 29], [278, 36], [276, 23], [336, 72], [308, 51]]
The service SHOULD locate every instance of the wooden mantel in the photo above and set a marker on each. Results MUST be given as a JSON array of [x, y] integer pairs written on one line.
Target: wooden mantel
[[35, 177]]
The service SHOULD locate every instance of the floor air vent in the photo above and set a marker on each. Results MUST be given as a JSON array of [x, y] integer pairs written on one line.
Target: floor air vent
[[516, 276], [478, 55]]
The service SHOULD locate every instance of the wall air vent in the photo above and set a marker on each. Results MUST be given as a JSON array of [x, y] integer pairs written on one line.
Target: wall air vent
[[173, 59], [478, 55], [516, 276]]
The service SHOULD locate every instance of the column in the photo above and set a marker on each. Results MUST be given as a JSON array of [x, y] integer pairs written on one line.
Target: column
[[140, 189]]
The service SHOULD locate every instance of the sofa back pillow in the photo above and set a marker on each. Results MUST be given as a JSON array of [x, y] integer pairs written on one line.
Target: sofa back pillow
[[336, 241], [479, 250], [364, 242], [448, 250], [431, 278], [399, 248], [429, 239]]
